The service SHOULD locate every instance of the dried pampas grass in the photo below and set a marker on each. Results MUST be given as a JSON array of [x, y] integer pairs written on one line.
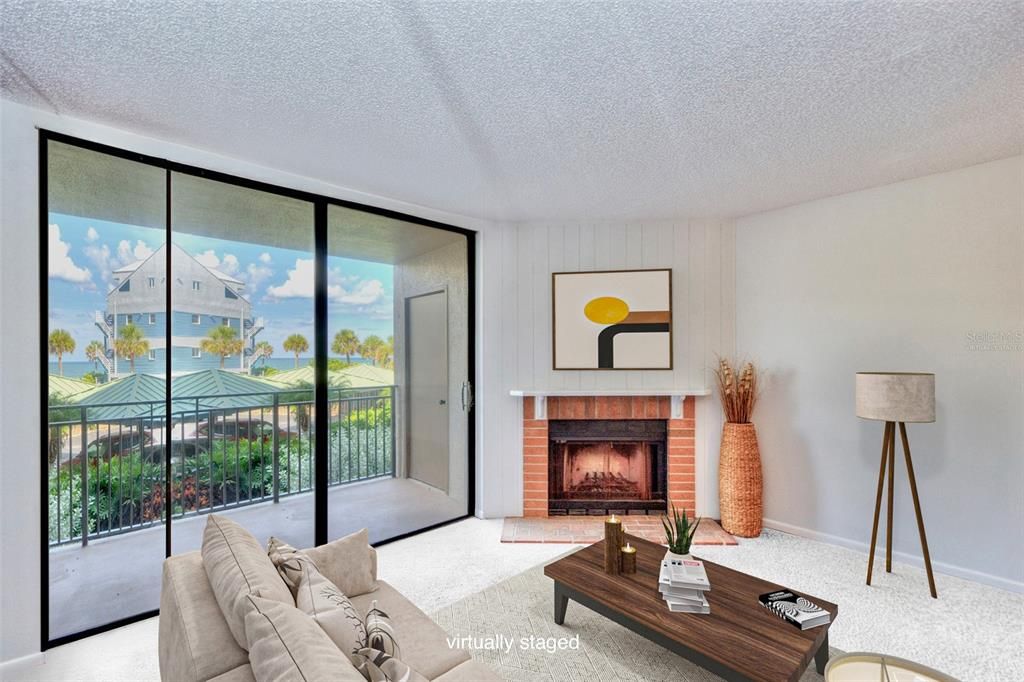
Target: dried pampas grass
[[738, 394]]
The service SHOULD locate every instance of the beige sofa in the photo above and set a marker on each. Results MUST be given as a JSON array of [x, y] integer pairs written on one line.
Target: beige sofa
[[196, 643]]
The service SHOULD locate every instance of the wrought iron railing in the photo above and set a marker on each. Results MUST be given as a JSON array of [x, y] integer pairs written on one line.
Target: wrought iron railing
[[107, 462]]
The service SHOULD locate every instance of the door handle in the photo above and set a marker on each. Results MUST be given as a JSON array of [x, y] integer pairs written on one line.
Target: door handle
[[442, 402]]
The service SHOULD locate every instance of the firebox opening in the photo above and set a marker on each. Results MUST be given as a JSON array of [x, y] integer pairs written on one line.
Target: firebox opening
[[603, 466]]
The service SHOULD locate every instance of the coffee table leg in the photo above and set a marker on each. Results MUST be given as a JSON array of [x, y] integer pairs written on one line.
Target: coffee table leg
[[561, 602], [821, 658]]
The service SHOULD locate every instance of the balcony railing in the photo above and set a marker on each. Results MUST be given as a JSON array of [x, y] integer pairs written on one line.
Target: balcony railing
[[107, 462]]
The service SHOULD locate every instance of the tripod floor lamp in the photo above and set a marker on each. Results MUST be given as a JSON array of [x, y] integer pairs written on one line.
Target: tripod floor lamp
[[896, 398]]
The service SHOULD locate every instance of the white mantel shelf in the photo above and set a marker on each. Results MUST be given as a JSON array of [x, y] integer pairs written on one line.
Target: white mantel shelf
[[608, 393]]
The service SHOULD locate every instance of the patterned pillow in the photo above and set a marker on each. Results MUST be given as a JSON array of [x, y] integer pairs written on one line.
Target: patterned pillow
[[377, 666], [379, 633], [287, 561], [330, 608]]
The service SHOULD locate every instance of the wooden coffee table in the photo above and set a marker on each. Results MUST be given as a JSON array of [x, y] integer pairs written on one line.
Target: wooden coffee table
[[738, 640]]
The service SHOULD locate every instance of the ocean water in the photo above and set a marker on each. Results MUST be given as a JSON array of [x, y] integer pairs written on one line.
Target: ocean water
[[79, 368]]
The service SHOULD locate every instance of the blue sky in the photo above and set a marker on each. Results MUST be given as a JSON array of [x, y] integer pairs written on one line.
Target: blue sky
[[278, 282]]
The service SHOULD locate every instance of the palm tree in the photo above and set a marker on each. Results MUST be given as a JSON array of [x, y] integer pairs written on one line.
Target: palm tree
[[131, 343], [94, 351], [61, 342], [262, 351], [345, 343], [296, 343], [371, 347], [387, 353], [222, 341]]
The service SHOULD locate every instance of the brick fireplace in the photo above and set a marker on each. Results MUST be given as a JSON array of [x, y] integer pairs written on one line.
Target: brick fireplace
[[630, 454]]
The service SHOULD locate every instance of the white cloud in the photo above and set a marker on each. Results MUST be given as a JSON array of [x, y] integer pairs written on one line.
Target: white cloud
[[265, 258], [366, 292], [91, 234], [61, 265], [299, 283], [208, 259], [100, 256], [229, 264], [255, 275], [127, 253]]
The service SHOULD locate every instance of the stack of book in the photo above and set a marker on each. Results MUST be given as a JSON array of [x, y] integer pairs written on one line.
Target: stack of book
[[682, 583]]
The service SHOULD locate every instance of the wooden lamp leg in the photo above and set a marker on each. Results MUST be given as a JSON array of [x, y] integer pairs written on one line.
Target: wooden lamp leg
[[887, 438], [892, 478], [917, 510]]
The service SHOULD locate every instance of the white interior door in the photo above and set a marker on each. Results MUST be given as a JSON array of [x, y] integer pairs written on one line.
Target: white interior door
[[427, 388]]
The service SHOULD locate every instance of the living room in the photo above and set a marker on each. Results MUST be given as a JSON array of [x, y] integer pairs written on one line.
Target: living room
[[626, 325]]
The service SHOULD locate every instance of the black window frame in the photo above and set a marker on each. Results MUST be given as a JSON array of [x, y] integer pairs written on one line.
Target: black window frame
[[320, 203]]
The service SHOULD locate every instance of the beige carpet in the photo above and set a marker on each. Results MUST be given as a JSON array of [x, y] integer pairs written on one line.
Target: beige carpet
[[521, 607], [585, 530]]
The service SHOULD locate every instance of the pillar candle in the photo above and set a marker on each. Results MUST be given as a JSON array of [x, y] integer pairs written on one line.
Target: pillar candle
[[629, 559], [612, 545]]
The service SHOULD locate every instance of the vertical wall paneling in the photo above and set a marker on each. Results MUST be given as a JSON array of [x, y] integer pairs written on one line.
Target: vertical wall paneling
[[703, 292]]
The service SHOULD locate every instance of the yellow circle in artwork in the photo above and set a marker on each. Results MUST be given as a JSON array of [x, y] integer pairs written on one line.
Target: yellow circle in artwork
[[606, 310]]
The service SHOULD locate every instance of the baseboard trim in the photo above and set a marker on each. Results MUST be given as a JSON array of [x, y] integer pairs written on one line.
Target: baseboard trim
[[911, 559], [18, 665]]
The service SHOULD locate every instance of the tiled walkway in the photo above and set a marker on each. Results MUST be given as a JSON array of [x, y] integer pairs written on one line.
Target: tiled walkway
[[589, 529]]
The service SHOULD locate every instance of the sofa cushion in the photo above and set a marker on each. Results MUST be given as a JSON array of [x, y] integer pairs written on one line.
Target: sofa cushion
[[286, 560], [195, 641], [348, 563], [286, 645], [236, 567], [470, 671], [242, 673], [330, 608], [423, 644]]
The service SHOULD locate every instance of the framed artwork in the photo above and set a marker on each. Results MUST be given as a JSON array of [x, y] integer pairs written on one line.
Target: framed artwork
[[619, 319]]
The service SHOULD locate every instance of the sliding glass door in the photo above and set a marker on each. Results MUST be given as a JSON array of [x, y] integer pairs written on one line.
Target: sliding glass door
[[241, 369], [105, 470], [216, 345], [398, 375]]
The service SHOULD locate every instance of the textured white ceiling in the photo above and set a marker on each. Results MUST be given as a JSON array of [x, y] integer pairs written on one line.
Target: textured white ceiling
[[545, 111]]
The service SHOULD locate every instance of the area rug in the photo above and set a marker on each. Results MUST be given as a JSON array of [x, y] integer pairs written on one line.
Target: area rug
[[585, 530], [517, 615]]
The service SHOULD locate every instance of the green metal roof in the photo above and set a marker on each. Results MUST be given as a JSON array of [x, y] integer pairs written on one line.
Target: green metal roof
[[64, 387], [136, 395], [142, 395], [354, 376]]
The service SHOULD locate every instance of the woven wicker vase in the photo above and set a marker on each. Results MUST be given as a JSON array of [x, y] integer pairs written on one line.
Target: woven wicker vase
[[739, 481]]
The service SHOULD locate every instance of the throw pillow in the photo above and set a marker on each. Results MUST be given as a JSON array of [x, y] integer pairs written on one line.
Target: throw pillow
[[347, 563], [320, 598], [285, 645], [379, 633], [287, 561], [377, 666], [236, 567]]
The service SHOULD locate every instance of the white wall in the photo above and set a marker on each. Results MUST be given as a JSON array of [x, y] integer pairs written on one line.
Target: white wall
[[894, 278], [517, 330], [19, 329]]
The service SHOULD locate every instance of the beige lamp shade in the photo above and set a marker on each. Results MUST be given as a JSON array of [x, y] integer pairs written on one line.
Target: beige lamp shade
[[896, 396]]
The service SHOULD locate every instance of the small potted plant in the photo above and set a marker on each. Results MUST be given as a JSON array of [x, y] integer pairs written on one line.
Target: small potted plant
[[679, 533]]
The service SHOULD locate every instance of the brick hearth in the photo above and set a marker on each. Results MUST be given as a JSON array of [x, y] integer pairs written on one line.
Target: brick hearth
[[681, 474]]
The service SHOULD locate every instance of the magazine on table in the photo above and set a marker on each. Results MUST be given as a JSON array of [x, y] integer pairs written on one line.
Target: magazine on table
[[687, 605], [792, 608], [688, 573]]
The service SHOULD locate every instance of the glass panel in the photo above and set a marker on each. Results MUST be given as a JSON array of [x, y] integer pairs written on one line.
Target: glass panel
[[398, 336], [242, 380], [106, 399]]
